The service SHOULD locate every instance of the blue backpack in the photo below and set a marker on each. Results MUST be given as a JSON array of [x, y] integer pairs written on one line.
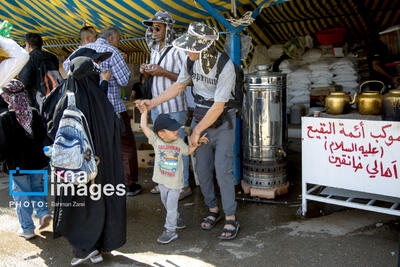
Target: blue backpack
[[73, 155]]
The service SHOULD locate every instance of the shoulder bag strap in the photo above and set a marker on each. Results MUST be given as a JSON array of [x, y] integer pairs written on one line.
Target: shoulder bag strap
[[71, 100], [150, 80], [223, 59], [71, 103], [198, 99], [163, 55], [86, 125]]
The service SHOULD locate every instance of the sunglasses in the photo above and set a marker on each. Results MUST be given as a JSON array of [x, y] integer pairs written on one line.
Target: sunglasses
[[155, 28]]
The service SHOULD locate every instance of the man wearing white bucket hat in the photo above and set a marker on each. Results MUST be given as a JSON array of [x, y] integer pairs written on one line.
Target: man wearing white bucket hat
[[214, 85]]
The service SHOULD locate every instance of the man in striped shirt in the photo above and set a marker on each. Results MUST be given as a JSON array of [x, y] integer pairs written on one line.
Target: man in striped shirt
[[159, 37], [108, 42]]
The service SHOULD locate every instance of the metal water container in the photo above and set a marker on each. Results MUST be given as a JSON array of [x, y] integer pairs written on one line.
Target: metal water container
[[264, 130]]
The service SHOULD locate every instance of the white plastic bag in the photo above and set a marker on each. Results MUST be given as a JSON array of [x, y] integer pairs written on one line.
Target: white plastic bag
[[275, 51], [11, 66], [312, 55]]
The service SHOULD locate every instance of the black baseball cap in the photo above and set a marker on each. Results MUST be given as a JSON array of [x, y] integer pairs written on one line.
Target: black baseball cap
[[91, 53], [164, 121]]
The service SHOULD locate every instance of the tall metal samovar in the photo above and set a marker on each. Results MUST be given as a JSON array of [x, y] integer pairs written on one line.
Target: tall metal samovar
[[264, 130]]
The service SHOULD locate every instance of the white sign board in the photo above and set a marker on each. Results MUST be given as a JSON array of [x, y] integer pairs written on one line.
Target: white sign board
[[358, 155]]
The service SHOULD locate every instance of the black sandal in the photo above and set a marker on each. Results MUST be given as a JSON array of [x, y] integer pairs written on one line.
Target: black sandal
[[212, 223], [233, 232]]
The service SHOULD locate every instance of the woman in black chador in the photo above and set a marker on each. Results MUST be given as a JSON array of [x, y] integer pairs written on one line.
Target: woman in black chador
[[92, 226]]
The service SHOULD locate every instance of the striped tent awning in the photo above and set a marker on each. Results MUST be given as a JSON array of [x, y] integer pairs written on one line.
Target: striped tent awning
[[59, 21]]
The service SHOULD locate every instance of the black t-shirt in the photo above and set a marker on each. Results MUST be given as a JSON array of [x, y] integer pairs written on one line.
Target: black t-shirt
[[137, 89]]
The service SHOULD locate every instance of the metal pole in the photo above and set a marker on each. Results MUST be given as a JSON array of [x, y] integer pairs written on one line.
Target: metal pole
[[237, 159], [215, 14], [235, 47]]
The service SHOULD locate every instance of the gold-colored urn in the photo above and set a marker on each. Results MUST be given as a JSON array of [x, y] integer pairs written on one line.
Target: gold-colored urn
[[391, 106], [339, 102], [370, 103]]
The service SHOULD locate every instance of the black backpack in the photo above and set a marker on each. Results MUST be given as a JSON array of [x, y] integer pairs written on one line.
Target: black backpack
[[49, 79], [239, 84]]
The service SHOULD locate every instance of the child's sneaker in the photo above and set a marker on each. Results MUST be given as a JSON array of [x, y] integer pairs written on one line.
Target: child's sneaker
[[26, 235], [167, 236], [180, 224]]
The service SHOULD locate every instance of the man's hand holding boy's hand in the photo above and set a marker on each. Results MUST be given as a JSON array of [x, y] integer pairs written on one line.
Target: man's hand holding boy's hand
[[194, 145], [203, 139], [144, 103], [140, 107]]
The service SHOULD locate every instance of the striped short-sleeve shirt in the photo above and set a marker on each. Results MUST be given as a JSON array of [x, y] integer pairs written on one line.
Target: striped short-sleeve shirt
[[173, 62]]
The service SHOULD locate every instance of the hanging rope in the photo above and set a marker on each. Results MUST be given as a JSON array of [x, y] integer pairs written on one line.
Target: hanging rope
[[197, 5], [246, 20], [233, 8]]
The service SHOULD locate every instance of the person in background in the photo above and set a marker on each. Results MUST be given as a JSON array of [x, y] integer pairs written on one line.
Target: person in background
[[109, 42], [168, 167], [22, 136], [30, 75], [87, 35], [137, 88], [378, 56], [159, 37]]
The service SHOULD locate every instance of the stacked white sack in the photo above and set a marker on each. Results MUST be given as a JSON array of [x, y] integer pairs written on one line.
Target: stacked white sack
[[321, 76], [345, 74], [298, 87]]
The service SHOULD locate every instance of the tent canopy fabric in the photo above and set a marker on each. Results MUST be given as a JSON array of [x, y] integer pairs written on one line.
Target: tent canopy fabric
[[59, 21]]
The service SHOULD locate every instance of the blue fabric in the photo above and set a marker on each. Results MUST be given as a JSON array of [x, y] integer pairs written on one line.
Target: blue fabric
[[154, 114], [24, 205]]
